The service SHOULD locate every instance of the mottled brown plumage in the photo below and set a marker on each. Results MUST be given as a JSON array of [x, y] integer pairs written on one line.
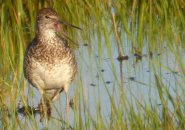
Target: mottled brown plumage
[[49, 62]]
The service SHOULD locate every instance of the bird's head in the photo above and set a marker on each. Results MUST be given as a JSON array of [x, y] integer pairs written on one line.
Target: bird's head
[[47, 20]]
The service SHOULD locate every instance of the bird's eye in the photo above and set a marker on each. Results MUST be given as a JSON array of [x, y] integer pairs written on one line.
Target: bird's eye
[[47, 17]]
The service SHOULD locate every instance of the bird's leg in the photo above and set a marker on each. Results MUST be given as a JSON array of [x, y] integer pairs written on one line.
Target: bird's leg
[[45, 109], [67, 107]]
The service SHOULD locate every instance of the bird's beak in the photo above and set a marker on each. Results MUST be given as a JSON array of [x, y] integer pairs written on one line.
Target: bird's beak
[[70, 25]]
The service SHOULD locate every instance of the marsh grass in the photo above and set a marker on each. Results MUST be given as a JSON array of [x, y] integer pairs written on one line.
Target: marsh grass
[[143, 24]]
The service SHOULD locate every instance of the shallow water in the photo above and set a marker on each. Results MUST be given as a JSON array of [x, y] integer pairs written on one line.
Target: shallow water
[[99, 75]]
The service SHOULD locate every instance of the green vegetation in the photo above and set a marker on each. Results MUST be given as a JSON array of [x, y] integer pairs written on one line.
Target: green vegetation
[[145, 26]]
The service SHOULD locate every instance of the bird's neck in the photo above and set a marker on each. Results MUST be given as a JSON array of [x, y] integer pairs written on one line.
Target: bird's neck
[[46, 36]]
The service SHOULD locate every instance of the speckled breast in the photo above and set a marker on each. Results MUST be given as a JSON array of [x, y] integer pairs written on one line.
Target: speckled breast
[[49, 65]]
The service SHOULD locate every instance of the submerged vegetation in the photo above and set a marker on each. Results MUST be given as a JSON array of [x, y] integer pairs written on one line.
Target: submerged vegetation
[[139, 27]]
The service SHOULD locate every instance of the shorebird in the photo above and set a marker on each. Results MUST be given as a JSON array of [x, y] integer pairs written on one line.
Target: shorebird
[[49, 62]]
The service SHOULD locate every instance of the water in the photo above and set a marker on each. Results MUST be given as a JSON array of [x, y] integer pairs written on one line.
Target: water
[[99, 77]]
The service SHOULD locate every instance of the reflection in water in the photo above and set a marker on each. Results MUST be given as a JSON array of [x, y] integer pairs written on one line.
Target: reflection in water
[[31, 110]]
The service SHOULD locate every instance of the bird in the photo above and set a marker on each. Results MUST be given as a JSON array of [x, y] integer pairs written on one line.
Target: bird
[[49, 62]]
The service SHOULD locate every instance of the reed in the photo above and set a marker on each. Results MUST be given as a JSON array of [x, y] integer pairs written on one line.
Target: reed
[[143, 26]]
